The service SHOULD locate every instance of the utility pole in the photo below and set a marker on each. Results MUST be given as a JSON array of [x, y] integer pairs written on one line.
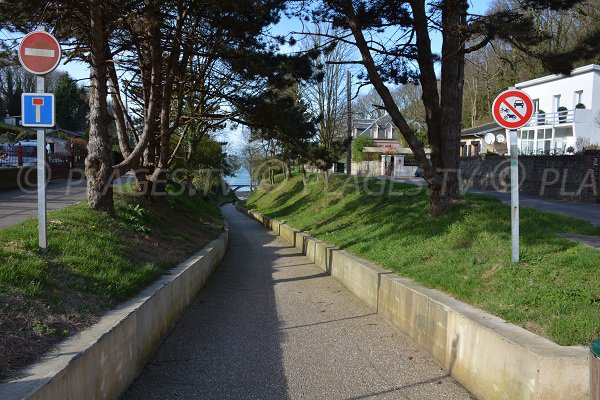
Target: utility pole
[[349, 101]]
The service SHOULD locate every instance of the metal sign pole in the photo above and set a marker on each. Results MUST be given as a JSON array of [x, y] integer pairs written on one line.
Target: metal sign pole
[[41, 174], [349, 122], [39, 53], [513, 109], [514, 191]]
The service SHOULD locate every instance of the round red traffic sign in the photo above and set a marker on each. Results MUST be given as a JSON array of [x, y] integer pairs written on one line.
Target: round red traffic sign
[[39, 52], [512, 109]]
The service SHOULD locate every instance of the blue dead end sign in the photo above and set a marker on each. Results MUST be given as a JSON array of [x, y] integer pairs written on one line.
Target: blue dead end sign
[[37, 110]]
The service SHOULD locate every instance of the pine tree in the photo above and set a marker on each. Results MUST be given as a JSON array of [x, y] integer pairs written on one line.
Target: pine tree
[[71, 105]]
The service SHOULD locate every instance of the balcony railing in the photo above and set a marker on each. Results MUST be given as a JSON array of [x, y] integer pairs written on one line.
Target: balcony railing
[[558, 117]]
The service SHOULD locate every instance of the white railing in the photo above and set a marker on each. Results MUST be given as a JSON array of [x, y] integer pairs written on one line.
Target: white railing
[[554, 118]]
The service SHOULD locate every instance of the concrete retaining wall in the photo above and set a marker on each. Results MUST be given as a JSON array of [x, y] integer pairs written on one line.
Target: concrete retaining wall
[[490, 357], [359, 276], [101, 362], [288, 233]]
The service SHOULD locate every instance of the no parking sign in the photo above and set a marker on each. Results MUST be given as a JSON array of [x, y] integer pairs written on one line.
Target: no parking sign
[[512, 109]]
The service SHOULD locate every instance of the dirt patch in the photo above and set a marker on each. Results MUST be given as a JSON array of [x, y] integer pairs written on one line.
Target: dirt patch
[[179, 238], [31, 327], [491, 271]]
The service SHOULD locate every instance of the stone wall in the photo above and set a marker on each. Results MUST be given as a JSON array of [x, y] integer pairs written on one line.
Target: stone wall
[[574, 178], [366, 168], [12, 178], [591, 163]]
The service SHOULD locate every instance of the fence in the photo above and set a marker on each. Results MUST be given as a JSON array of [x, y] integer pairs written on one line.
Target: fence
[[17, 156], [366, 168], [12, 156]]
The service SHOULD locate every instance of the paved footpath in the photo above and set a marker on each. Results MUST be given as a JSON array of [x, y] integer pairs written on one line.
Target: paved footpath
[[271, 325]]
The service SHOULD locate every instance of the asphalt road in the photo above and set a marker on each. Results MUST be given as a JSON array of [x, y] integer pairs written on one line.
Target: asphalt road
[[586, 211], [17, 205], [271, 325]]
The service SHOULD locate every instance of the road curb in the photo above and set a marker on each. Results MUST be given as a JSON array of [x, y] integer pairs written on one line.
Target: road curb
[[102, 361], [491, 358]]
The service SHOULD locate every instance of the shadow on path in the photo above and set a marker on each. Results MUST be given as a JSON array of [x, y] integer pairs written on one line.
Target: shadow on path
[[271, 325], [226, 346]]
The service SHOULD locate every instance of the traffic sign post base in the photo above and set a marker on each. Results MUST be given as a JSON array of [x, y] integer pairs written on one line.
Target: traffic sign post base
[[41, 176], [514, 194], [41, 189]]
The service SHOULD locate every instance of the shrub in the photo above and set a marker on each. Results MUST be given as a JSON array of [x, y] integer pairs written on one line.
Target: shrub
[[358, 145], [541, 117]]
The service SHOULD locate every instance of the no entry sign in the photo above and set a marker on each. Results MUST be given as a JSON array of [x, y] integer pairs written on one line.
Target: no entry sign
[[512, 109], [39, 53]]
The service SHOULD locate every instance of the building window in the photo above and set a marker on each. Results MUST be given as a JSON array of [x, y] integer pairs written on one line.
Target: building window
[[381, 134], [556, 102], [577, 97], [464, 149], [544, 141], [561, 137], [476, 148], [536, 105], [527, 137]]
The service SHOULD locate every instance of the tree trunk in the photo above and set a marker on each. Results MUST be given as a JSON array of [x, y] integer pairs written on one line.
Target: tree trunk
[[172, 70], [453, 32], [98, 165], [443, 110], [303, 170], [150, 68]]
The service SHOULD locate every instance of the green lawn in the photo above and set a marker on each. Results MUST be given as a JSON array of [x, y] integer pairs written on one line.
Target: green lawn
[[554, 291], [94, 262]]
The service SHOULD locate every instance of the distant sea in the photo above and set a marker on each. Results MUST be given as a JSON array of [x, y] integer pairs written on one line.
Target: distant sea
[[242, 177]]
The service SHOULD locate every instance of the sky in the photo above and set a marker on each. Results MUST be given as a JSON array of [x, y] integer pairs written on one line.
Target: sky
[[80, 71]]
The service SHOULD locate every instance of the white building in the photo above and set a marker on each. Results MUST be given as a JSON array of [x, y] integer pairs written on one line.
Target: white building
[[558, 121]]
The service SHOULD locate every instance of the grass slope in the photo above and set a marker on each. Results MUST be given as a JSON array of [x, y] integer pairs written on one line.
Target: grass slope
[[94, 262], [554, 291]]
